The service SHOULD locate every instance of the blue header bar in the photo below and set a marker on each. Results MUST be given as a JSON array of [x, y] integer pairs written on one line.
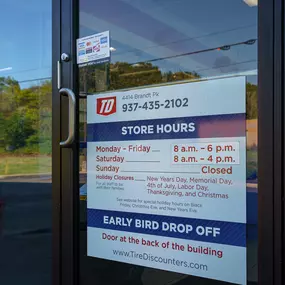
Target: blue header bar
[[214, 126], [176, 227]]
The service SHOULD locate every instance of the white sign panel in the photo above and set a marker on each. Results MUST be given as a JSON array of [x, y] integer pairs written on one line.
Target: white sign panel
[[93, 49], [166, 178]]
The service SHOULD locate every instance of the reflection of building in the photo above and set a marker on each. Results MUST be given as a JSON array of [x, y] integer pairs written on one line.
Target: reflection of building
[[251, 133]]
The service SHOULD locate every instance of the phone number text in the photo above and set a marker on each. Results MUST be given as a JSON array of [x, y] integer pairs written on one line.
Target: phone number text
[[155, 105]]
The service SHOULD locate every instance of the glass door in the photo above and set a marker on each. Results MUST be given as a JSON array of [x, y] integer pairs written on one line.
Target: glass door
[[132, 57], [165, 169]]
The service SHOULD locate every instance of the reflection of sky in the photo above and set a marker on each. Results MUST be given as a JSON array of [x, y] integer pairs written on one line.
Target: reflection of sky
[[25, 39], [140, 31], [149, 29]]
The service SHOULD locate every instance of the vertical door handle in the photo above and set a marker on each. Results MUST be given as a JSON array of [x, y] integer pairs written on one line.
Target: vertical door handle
[[71, 114]]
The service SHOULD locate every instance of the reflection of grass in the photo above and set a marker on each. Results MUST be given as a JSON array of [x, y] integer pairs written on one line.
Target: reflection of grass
[[251, 155], [251, 164], [12, 165]]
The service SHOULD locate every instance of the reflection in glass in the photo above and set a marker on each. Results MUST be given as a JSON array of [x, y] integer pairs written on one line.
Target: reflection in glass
[[25, 142], [168, 42]]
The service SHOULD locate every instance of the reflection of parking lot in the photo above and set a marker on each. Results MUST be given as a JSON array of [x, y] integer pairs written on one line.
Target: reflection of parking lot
[[27, 206], [26, 259], [25, 244], [27, 230]]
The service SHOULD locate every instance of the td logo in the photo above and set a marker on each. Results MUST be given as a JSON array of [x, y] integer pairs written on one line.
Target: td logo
[[106, 106]]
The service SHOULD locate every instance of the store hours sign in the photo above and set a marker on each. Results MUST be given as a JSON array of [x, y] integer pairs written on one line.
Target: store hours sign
[[166, 182]]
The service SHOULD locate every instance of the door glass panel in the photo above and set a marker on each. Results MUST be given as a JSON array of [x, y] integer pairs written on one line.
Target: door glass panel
[[155, 42], [25, 142]]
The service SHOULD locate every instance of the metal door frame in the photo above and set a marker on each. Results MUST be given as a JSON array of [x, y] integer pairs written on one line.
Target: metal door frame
[[271, 142], [271, 170], [65, 161]]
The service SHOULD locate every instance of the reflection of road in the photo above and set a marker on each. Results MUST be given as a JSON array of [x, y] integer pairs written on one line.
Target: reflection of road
[[25, 244], [251, 186], [26, 259], [43, 178], [26, 188], [27, 206], [26, 237]]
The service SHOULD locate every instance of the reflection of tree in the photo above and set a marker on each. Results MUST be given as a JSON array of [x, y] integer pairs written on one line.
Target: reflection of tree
[[8, 88], [122, 75], [25, 114], [25, 117], [18, 128], [251, 101]]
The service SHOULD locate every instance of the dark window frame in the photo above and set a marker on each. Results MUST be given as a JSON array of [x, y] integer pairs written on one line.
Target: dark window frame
[[65, 162]]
